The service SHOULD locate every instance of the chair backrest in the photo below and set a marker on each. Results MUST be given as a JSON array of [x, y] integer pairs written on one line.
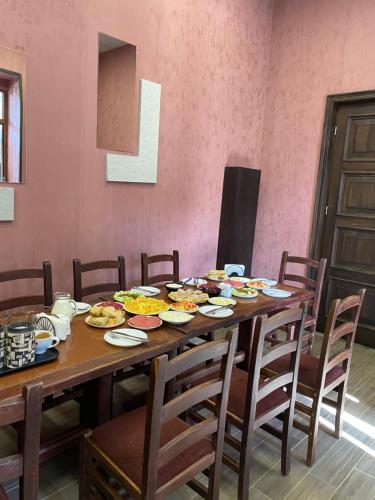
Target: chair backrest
[[159, 278], [24, 464], [45, 273], [334, 353], [79, 268], [312, 267], [160, 413], [258, 388]]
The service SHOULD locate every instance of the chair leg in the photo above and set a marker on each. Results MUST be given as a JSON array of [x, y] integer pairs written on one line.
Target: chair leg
[[83, 493], [214, 481], [341, 390], [285, 442], [313, 430], [244, 469]]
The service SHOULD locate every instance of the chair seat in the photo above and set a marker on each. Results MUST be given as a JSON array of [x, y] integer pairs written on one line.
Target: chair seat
[[237, 396], [308, 369], [122, 440]]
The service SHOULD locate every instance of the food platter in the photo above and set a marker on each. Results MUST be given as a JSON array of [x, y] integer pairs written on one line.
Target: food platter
[[216, 275], [175, 318], [241, 279], [233, 284], [245, 293], [146, 306], [221, 301], [105, 315], [189, 295], [188, 307], [261, 283], [124, 296], [144, 322]]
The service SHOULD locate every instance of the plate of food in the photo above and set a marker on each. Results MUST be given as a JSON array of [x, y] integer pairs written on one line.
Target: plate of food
[[240, 279], [144, 322], [82, 308], [124, 296], [233, 283], [277, 293], [193, 281], [211, 289], [261, 283], [115, 338], [184, 306], [105, 315], [189, 295], [245, 293], [146, 306], [146, 291], [176, 318], [172, 287], [216, 275], [222, 301], [210, 312]]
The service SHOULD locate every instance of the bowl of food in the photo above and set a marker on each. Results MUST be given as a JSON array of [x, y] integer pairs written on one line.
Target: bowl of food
[[172, 287], [211, 290]]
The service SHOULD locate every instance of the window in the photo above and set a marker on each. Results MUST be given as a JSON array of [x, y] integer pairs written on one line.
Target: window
[[3, 133]]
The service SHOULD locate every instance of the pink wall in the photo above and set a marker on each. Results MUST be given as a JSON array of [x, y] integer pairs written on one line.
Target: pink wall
[[211, 59], [318, 48]]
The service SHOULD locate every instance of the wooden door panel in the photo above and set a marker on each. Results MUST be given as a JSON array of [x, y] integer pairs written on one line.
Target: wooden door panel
[[349, 231], [354, 250], [360, 139], [339, 289], [357, 194]]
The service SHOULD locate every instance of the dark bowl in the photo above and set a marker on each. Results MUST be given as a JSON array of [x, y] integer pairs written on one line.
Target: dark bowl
[[211, 290]]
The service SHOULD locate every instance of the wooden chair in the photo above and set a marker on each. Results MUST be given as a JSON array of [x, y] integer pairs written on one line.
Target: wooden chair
[[45, 273], [314, 283], [150, 451], [318, 376], [25, 464], [159, 278], [79, 268]]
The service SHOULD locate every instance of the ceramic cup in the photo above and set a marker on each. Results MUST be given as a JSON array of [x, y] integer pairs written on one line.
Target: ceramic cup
[[44, 340]]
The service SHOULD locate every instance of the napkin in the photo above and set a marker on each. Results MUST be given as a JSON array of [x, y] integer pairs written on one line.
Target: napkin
[[60, 322]]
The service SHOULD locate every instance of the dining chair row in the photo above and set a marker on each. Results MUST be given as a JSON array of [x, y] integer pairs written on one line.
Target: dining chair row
[[80, 269]]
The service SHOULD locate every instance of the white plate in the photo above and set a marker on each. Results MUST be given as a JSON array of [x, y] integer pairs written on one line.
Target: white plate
[[166, 315], [223, 313], [82, 308], [192, 281], [147, 291], [120, 341], [215, 302], [97, 326], [236, 292], [241, 279], [275, 292]]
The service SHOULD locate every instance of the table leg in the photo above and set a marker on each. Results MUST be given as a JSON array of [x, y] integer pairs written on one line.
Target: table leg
[[96, 405], [245, 338]]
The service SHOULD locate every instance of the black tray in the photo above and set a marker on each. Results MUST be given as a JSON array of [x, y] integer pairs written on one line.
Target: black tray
[[40, 359]]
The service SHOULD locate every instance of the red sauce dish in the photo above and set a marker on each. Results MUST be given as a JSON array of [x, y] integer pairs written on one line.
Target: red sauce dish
[[143, 322], [233, 284]]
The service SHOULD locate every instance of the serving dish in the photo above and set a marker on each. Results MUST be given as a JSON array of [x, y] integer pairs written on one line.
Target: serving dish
[[245, 293], [144, 322], [146, 306], [175, 318], [222, 301], [261, 283], [189, 295], [188, 307], [211, 289]]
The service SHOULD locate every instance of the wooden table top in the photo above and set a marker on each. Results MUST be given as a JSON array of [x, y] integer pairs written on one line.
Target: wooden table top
[[84, 356]]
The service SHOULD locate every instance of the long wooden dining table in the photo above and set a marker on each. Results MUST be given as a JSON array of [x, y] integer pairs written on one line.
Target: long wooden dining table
[[85, 357]]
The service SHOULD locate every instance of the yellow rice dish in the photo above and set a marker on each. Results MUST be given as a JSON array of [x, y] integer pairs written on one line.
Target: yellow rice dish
[[146, 305]]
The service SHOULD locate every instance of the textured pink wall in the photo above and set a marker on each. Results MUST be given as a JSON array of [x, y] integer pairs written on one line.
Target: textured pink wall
[[211, 58], [318, 48]]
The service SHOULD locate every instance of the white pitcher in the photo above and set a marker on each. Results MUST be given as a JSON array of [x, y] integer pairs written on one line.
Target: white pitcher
[[64, 305]]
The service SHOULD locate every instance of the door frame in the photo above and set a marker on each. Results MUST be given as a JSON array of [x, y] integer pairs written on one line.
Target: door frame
[[325, 167]]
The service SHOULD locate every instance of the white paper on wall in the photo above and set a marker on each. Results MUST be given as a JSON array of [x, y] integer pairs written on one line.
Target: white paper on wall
[[143, 167], [6, 204]]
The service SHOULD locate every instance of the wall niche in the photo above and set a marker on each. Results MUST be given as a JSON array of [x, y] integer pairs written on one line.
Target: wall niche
[[117, 114]]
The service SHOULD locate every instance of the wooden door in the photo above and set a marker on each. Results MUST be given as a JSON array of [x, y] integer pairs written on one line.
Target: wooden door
[[349, 230]]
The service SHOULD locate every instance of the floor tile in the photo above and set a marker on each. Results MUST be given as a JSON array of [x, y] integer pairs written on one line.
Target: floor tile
[[311, 488], [357, 485]]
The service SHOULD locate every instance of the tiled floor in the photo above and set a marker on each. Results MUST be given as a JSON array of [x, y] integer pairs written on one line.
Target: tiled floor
[[345, 468]]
